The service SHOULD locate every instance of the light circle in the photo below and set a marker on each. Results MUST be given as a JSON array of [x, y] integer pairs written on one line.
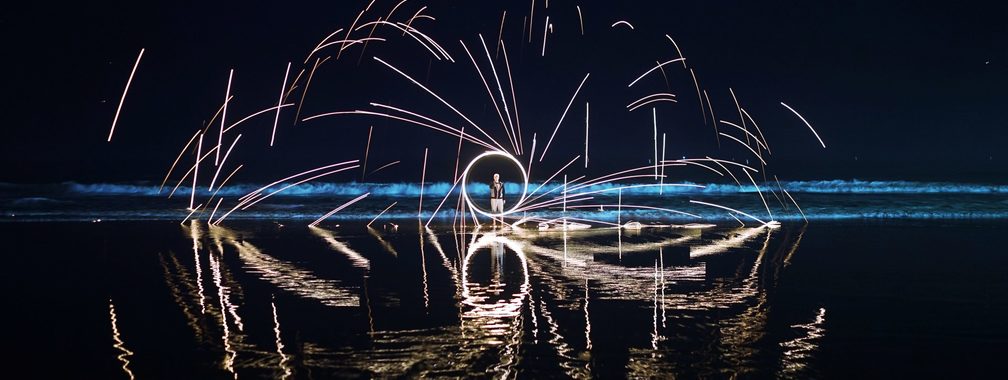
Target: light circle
[[465, 178]]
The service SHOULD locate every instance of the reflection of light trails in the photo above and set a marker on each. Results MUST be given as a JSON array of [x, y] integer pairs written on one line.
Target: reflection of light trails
[[739, 238], [284, 359], [470, 296], [119, 344], [287, 276], [229, 353], [587, 319], [194, 233], [173, 286], [385, 244], [355, 257], [797, 351]]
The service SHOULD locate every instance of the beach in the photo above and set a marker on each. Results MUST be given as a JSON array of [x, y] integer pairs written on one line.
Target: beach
[[266, 299]]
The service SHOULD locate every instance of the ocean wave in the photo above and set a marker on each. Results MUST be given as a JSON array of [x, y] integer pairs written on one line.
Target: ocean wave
[[412, 189]]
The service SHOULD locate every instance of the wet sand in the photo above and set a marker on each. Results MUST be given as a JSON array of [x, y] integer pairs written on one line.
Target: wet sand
[[266, 300]]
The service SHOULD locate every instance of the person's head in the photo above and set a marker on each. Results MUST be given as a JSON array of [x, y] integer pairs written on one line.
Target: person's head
[[496, 177]]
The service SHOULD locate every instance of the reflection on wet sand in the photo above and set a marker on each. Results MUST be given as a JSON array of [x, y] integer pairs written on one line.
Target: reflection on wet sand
[[119, 344], [287, 276], [706, 303], [798, 350]]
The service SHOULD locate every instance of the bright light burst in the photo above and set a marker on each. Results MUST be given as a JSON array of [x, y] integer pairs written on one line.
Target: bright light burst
[[372, 25]]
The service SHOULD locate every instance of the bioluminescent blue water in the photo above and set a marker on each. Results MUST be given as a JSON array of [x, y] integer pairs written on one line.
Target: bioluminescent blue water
[[822, 199]]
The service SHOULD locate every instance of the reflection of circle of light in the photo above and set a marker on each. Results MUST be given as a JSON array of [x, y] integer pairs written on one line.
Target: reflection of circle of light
[[501, 309], [465, 178]]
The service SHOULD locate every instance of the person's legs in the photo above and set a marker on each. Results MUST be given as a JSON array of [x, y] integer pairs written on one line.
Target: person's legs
[[497, 207]]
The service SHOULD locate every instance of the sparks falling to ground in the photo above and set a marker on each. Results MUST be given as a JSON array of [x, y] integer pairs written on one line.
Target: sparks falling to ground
[[374, 27]]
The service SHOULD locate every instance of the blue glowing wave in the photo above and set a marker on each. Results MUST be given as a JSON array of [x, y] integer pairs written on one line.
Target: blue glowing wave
[[407, 189]]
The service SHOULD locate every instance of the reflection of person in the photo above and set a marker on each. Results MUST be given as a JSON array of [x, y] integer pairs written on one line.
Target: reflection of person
[[497, 197]]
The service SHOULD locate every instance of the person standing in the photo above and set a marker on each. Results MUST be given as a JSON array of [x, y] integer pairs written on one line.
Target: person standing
[[497, 198]]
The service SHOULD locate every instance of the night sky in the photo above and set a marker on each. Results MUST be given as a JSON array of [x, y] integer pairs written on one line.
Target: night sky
[[900, 90]]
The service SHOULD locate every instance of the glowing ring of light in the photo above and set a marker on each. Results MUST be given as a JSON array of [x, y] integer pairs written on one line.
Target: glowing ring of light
[[465, 178]]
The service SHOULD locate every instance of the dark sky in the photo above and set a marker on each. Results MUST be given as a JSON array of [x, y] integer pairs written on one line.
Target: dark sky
[[898, 90]]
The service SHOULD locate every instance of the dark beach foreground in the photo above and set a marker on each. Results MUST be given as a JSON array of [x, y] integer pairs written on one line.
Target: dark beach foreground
[[260, 299]]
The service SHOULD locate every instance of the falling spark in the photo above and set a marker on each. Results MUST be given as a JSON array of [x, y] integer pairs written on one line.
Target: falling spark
[[177, 160], [531, 155], [753, 121], [335, 210], [691, 162], [423, 177], [760, 194], [711, 108], [531, 21], [749, 134], [554, 175], [317, 48], [250, 202], [562, 117], [514, 99], [442, 101], [219, 167], [654, 114], [500, 33], [791, 198], [260, 112], [385, 166], [192, 169], [457, 180], [123, 99], [545, 33], [305, 90], [352, 26], [586, 135], [652, 101], [740, 114], [699, 99], [295, 176], [447, 129], [581, 22], [653, 69], [661, 188], [500, 88], [279, 103], [806, 123], [381, 213], [490, 93], [664, 95], [725, 169], [367, 149], [220, 136], [745, 145], [415, 15], [621, 22], [677, 49], [199, 149], [191, 213], [210, 219]]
